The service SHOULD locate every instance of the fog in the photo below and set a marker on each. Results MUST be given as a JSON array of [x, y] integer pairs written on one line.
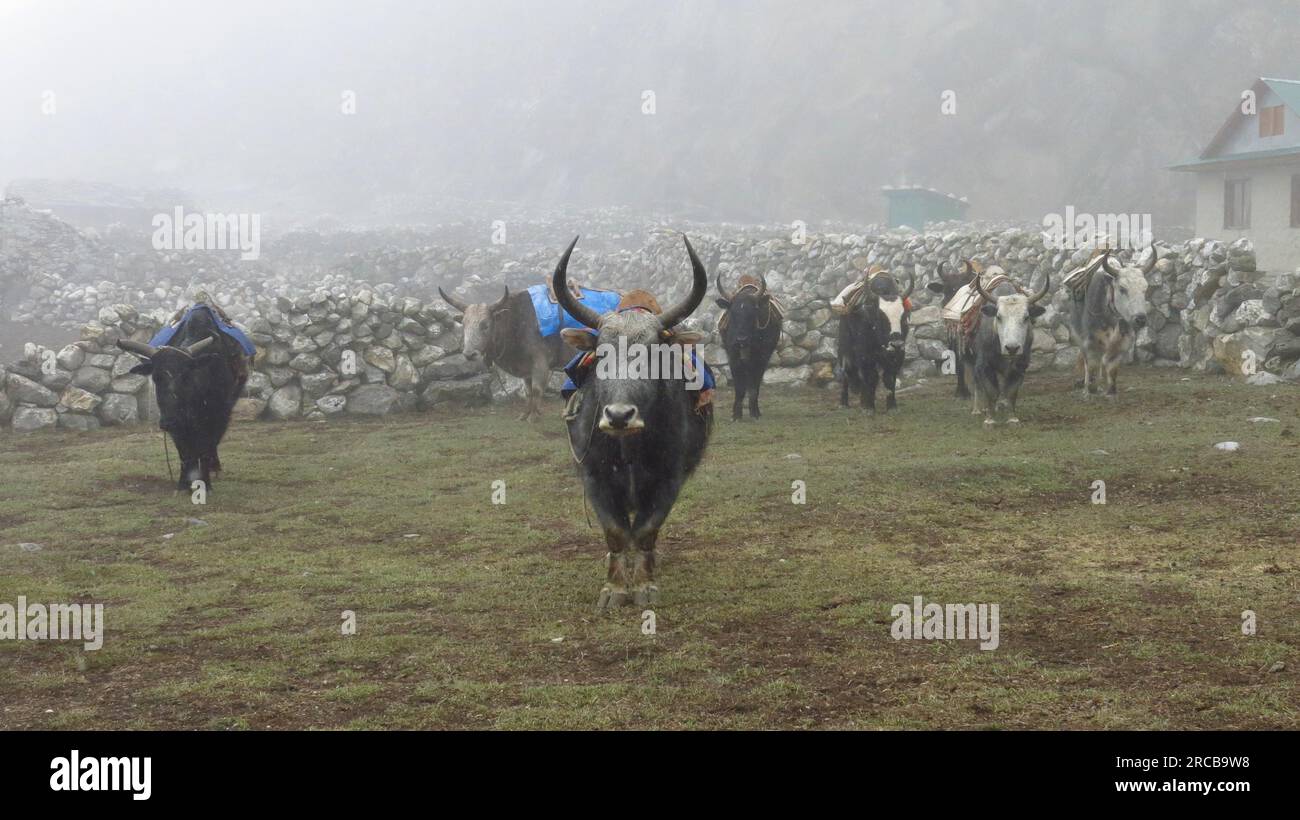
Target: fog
[[761, 111]]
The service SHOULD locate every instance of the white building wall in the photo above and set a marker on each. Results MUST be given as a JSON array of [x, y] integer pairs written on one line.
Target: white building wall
[[1277, 244]]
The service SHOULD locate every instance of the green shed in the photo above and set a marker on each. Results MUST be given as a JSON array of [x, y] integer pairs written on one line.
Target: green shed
[[914, 206]]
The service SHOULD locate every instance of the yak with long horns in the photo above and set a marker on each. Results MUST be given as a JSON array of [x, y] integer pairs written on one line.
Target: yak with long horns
[[636, 437]]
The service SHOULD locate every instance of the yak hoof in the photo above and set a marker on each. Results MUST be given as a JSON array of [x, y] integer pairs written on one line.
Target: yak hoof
[[612, 598], [647, 595], [990, 422], [1013, 420]]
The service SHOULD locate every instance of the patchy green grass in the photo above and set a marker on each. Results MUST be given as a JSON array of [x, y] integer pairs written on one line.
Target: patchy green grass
[[772, 614]]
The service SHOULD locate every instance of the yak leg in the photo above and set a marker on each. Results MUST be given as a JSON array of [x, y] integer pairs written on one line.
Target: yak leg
[[844, 385], [534, 383], [986, 387], [755, 382], [1081, 371], [871, 379], [614, 592], [653, 509], [1011, 392], [610, 503], [1092, 371], [963, 392], [1110, 369], [891, 383], [189, 458], [740, 383]]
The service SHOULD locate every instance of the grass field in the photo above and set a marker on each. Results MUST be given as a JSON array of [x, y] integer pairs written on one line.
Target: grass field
[[772, 614]]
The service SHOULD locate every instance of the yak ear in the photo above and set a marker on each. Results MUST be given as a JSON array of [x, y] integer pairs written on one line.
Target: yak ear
[[579, 337], [989, 310], [687, 337], [1037, 310], [937, 287], [723, 303], [142, 369]]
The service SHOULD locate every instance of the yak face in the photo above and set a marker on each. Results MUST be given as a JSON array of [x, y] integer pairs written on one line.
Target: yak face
[[1130, 288], [749, 310], [745, 310], [627, 396], [887, 313], [1013, 317], [181, 377], [629, 399], [478, 325], [176, 377], [892, 332]]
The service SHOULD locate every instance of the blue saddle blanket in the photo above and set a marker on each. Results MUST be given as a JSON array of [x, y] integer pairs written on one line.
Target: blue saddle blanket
[[164, 336], [551, 319]]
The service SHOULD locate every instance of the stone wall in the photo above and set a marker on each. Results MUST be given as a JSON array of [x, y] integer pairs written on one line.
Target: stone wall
[[349, 346]]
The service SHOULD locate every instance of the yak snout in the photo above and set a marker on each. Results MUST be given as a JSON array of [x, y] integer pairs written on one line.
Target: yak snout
[[1140, 321], [1012, 350], [621, 419]]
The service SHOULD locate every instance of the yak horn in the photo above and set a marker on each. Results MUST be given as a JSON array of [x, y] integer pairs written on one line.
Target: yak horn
[[1151, 263], [1105, 263], [685, 308], [573, 307], [199, 346], [721, 290], [502, 301], [456, 303], [762, 284], [975, 282], [911, 284], [138, 348], [1047, 283]]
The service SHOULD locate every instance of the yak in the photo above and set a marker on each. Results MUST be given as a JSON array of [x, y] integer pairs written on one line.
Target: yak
[[1003, 340], [750, 328], [948, 284], [635, 438], [198, 376], [872, 335], [1105, 317], [505, 333]]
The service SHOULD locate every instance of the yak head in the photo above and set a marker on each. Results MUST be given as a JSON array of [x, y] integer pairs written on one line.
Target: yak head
[[627, 399], [479, 322], [886, 309], [1129, 288], [1013, 314], [749, 309], [176, 374], [949, 283]]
